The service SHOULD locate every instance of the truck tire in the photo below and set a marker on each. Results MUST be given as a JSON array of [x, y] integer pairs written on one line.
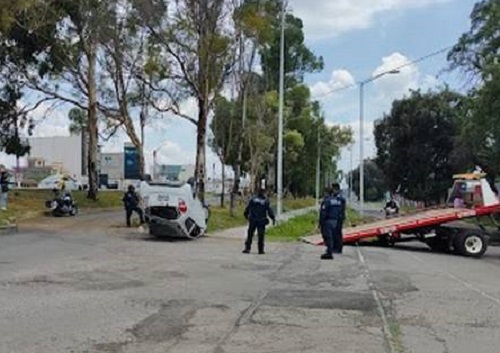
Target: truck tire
[[471, 243]]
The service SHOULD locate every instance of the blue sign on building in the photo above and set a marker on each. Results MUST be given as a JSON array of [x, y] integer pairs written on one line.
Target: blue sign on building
[[132, 169]]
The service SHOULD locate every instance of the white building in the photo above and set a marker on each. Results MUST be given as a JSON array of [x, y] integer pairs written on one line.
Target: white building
[[113, 166], [68, 152]]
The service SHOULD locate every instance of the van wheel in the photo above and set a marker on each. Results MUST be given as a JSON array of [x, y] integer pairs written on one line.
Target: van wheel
[[471, 243]]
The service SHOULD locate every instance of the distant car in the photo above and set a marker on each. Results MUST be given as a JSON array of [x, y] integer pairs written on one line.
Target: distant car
[[56, 182], [112, 185], [172, 211]]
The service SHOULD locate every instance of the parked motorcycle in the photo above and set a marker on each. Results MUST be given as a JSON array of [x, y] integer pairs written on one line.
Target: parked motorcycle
[[62, 205]]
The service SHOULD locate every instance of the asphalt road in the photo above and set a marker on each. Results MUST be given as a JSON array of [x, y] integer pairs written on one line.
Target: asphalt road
[[89, 285]]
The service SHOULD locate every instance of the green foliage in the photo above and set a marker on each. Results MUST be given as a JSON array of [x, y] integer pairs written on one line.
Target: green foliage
[[481, 126], [477, 54], [415, 142], [221, 219], [295, 228], [305, 225], [478, 49], [375, 185], [12, 119], [78, 121], [26, 204], [299, 58]]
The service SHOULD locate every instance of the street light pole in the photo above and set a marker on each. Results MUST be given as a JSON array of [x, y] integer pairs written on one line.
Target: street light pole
[[318, 167], [280, 114], [350, 171], [361, 149], [361, 138]]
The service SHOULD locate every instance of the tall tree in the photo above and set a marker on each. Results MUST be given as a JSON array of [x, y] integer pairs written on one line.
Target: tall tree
[[13, 119], [127, 96], [477, 55], [197, 45], [477, 49], [299, 58], [68, 33], [375, 185], [415, 142]]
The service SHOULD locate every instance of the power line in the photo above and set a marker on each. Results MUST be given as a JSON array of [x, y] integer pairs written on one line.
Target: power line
[[416, 61]]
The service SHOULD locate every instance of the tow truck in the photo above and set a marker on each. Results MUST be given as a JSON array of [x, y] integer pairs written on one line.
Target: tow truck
[[442, 229]]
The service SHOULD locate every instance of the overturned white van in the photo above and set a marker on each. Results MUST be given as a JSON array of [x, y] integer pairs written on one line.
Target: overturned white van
[[172, 211]]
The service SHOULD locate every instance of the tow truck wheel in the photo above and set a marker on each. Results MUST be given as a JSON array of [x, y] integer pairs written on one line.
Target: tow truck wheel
[[471, 243]]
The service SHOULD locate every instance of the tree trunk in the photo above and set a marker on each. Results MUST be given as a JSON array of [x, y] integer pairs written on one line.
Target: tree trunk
[[200, 168], [93, 132], [223, 186], [235, 190], [140, 154], [238, 167]]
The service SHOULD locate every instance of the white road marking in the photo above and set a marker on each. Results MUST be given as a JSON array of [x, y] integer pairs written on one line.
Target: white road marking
[[385, 329]]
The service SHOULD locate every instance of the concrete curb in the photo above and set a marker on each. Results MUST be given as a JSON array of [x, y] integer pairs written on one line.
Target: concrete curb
[[8, 229]]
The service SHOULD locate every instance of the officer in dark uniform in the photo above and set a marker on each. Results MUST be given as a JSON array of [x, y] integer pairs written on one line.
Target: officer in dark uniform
[[332, 214], [131, 202], [337, 234], [257, 212]]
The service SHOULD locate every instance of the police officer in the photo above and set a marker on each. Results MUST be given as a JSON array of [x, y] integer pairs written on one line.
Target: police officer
[[257, 212], [131, 202], [337, 234], [330, 222]]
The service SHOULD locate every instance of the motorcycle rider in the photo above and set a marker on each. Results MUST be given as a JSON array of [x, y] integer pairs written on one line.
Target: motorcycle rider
[[391, 207]]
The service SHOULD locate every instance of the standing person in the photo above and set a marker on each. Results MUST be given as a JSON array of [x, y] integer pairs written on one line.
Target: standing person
[[257, 212], [332, 214], [4, 184], [340, 205], [131, 202]]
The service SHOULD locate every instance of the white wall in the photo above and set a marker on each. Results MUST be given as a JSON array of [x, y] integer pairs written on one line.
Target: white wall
[[60, 149]]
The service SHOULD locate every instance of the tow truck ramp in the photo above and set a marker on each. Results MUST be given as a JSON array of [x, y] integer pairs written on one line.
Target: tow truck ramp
[[438, 228]]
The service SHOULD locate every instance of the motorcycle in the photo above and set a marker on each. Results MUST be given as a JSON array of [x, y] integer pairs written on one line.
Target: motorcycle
[[62, 206], [391, 209], [391, 212]]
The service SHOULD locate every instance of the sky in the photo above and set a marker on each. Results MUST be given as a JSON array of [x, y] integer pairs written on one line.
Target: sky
[[357, 40]]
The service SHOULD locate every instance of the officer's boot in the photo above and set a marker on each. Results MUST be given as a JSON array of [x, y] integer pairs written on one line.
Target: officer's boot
[[247, 248], [261, 245]]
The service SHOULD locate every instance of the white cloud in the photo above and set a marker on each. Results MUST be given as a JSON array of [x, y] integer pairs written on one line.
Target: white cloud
[[327, 18], [338, 80], [379, 96], [51, 120], [392, 86]]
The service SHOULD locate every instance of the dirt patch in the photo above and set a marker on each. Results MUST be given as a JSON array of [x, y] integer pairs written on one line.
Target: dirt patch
[[392, 283], [171, 321], [168, 324]]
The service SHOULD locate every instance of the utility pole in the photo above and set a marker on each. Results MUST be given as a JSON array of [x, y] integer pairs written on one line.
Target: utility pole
[[361, 137], [318, 167], [280, 114], [361, 149]]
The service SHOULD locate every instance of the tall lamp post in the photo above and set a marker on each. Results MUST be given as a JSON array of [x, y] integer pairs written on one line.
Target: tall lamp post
[[318, 167], [280, 114], [361, 139], [155, 163]]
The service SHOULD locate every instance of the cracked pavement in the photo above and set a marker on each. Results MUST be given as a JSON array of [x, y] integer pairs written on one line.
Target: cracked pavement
[[87, 285]]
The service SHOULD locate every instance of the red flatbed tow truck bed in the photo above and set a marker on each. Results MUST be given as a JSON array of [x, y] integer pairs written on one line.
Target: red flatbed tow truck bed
[[407, 224]]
